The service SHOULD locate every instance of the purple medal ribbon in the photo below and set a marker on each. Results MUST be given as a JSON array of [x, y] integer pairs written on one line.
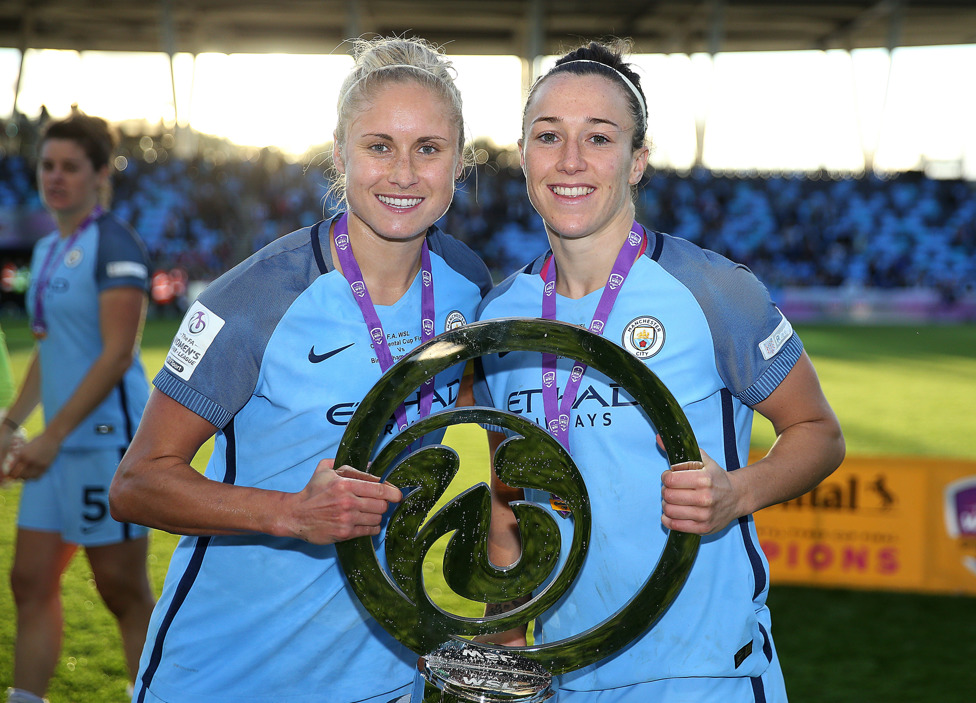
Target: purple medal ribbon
[[38, 323], [558, 414], [354, 275]]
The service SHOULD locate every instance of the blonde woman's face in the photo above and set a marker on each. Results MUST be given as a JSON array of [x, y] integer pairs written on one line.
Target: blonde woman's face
[[400, 159]]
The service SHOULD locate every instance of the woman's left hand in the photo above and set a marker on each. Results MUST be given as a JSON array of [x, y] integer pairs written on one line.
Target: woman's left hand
[[11, 442], [701, 498], [697, 497], [35, 458]]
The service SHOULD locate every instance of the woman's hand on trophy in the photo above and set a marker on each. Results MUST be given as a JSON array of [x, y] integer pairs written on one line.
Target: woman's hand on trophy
[[340, 504], [697, 497]]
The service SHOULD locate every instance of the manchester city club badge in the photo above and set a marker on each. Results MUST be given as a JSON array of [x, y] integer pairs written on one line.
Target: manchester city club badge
[[643, 337]]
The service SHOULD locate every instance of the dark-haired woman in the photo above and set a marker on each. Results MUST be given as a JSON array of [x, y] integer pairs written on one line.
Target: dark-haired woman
[[707, 327], [87, 304]]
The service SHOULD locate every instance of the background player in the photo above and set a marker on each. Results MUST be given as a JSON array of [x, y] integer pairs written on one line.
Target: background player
[[273, 358], [87, 303], [709, 330]]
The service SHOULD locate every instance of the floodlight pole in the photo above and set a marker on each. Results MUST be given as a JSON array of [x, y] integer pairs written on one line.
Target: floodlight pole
[[26, 34], [716, 31], [169, 46]]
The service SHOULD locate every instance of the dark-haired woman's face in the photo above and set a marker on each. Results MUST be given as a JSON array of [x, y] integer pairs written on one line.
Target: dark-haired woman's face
[[577, 156], [67, 180]]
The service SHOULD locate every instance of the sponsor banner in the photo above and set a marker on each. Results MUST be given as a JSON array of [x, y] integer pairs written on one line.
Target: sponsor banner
[[879, 523]]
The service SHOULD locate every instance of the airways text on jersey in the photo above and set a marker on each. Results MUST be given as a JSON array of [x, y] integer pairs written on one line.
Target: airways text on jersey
[[340, 413], [593, 407], [529, 400]]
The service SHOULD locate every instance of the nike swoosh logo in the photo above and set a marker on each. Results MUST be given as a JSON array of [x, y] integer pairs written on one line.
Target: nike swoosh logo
[[318, 358]]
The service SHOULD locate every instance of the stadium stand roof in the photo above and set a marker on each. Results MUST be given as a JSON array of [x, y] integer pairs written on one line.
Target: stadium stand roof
[[525, 28]]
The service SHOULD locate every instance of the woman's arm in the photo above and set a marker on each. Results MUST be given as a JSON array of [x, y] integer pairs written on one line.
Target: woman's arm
[[121, 314], [504, 541], [28, 398], [155, 485], [504, 545], [29, 395], [809, 446]]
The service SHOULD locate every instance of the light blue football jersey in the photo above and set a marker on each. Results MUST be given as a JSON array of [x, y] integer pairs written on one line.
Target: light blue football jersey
[[106, 254], [276, 354], [708, 329]]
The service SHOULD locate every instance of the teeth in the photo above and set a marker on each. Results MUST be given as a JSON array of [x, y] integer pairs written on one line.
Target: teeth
[[399, 202], [572, 192]]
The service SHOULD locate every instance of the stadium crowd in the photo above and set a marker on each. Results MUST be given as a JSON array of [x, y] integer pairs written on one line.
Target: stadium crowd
[[204, 214]]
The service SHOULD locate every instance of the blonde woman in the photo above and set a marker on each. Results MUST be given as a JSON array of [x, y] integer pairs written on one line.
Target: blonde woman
[[272, 359]]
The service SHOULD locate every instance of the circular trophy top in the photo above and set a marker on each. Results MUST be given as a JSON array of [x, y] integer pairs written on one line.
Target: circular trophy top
[[394, 594]]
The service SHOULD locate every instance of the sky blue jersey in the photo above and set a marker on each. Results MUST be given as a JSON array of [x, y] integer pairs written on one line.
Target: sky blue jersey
[[276, 354], [106, 254], [709, 330]]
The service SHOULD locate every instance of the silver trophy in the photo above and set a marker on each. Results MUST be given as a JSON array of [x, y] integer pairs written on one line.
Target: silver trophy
[[455, 667]]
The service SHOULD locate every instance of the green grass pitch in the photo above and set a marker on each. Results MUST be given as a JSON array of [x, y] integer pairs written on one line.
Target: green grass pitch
[[903, 391]]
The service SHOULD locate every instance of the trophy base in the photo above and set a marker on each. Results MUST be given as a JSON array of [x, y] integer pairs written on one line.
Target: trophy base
[[456, 672]]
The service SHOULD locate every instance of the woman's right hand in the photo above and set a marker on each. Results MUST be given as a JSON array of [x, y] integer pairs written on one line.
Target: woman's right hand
[[340, 504]]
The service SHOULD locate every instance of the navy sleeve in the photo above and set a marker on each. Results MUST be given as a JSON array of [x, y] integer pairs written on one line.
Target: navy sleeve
[[213, 365], [122, 257], [460, 257], [755, 345]]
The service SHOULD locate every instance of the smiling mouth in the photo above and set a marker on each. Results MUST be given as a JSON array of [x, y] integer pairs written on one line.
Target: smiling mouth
[[399, 203], [574, 192]]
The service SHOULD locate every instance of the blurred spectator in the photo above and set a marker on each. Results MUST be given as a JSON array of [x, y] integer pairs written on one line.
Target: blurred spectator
[[204, 214]]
